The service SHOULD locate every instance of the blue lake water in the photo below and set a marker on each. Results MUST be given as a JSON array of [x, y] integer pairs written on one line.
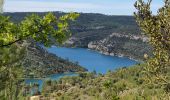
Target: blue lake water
[[50, 77], [92, 60], [89, 59]]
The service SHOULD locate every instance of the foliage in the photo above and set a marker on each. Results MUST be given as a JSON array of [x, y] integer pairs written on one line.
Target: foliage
[[130, 83], [122, 84], [157, 28], [42, 29], [10, 71]]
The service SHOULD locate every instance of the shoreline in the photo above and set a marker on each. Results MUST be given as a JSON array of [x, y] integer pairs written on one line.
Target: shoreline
[[114, 54], [105, 53], [117, 55]]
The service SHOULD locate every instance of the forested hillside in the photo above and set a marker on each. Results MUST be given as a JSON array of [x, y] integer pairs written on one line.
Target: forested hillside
[[91, 21], [92, 29], [38, 62]]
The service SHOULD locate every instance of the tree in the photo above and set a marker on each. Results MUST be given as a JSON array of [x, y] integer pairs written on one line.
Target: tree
[[157, 28], [44, 29], [10, 71]]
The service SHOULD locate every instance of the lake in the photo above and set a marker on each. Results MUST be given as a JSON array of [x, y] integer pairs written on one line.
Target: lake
[[92, 60], [89, 59], [50, 77]]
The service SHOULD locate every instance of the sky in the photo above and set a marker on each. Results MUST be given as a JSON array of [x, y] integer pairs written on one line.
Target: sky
[[108, 7]]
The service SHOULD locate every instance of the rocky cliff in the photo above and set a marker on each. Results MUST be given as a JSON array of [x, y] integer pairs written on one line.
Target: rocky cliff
[[132, 46], [115, 44], [111, 35]]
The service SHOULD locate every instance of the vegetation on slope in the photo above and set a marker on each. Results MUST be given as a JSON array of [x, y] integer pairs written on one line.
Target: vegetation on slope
[[37, 62], [156, 27], [91, 22], [94, 28], [41, 29], [148, 81], [122, 84]]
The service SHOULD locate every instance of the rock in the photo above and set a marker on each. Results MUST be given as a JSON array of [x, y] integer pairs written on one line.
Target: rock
[[131, 46], [35, 98]]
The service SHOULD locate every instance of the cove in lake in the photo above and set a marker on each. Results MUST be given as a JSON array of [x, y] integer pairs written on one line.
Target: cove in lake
[[89, 59], [50, 77]]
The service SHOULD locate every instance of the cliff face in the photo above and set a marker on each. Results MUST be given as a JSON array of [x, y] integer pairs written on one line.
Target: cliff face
[[116, 44], [111, 35], [40, 63], [122, 45]]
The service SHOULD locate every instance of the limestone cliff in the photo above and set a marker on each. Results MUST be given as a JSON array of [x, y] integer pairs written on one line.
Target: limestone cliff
[[132, 46]]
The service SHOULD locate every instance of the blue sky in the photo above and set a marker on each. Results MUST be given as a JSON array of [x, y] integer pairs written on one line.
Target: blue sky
[[110, 7]]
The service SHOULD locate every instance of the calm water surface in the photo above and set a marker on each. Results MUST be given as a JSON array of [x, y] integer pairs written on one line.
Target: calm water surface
[[92, 60], [89, 59]]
